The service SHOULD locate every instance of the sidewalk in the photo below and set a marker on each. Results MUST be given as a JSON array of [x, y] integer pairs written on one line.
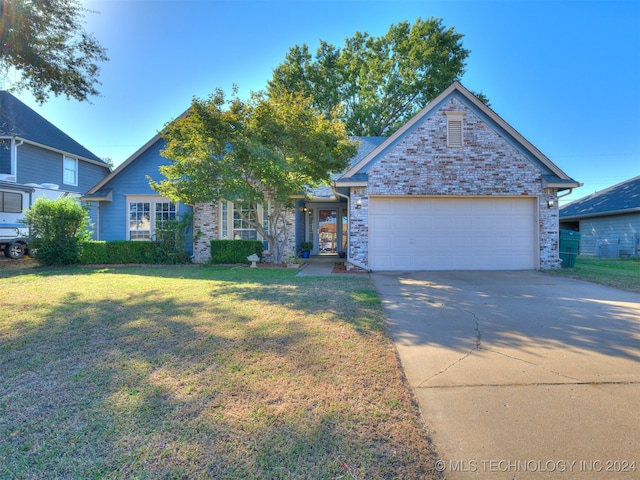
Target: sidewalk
[[318, 266]]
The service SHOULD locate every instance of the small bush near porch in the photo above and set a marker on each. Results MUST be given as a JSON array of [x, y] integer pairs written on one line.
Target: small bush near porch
[[201, 372]]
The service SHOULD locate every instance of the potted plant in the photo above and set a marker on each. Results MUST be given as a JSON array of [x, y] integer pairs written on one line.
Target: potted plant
[[305, 248], [292, 261]]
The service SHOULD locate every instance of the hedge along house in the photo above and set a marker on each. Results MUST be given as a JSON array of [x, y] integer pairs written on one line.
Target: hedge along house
[[456, 188]]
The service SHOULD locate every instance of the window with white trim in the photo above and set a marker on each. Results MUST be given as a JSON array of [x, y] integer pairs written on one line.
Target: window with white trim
[[454, 129], [146, 214], [238, 225], [70, 171]]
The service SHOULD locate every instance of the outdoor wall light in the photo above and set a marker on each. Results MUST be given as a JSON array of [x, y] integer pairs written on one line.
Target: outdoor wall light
[[550, 203], [358, 204]]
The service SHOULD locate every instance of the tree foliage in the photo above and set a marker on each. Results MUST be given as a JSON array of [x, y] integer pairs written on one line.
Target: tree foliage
[[267, 149], [45, 43], [57, 228], [379, 82]]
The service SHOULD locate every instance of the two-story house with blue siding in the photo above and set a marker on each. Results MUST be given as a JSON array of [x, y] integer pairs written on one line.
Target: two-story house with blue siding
[[128, 208], [33, 150], [37, 158]]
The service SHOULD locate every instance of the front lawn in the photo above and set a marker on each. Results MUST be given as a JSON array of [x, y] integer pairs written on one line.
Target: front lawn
[[622, 273], [201, 372]]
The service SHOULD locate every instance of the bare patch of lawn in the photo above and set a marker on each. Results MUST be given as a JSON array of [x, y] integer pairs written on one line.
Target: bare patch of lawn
[[195, 372], [622, 273]]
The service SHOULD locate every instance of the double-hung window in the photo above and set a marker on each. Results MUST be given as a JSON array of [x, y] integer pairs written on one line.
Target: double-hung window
[[146, 214], [237, 221], [70, 171]]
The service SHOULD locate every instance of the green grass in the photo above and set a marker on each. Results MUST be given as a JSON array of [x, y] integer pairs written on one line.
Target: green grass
[[622, 273], [201, 372]]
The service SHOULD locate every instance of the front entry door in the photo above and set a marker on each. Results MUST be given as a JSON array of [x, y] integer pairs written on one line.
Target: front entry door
[[328, 231]]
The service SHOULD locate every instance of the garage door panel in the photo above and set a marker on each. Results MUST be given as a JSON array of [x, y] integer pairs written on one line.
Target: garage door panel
[[452, 233]]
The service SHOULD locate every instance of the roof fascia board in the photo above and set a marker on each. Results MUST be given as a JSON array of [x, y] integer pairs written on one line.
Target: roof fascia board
[[349, 183], [562, 185], [512, 132], [133, 157], [124, 165], [103, 198], [406, 128], [628, 211], [57, 150], [479, 108]]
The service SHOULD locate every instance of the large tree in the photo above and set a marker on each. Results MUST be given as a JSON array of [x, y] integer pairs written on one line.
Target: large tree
[[380, 82], [45, 43], [264, 151]]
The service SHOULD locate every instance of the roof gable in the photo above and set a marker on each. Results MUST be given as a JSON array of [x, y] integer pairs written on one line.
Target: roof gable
[[553, 175], [18, 120], [96, 190], [618, 199]]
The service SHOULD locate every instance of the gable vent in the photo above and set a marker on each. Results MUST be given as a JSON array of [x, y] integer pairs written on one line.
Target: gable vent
[[454, 129]]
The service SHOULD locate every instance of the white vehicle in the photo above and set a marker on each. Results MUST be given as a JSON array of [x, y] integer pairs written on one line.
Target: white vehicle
[[15, 199]]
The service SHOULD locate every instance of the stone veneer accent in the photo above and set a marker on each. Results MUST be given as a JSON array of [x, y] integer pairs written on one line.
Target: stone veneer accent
[[206, 227], [206, 223], [487, 165]]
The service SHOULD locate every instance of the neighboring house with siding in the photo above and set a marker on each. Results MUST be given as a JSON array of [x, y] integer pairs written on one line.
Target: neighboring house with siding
[[37, 159], [608, 221], [33, 150]]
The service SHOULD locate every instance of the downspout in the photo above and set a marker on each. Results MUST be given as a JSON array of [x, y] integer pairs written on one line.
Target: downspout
[[93, 206], [338, 194], [14, 156]]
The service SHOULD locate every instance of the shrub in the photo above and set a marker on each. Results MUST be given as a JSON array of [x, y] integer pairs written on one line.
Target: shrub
[[172, 240], [169, 248], [234, 251], [58, 229], [120, 251]]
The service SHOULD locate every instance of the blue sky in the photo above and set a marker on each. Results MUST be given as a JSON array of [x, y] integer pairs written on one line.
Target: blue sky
[[565, 74]]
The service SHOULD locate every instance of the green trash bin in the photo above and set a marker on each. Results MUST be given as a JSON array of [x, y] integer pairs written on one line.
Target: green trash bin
[[569, 246]]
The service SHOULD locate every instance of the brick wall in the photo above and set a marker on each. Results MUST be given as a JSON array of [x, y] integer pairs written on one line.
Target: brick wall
[[206, 227], [487, 165]]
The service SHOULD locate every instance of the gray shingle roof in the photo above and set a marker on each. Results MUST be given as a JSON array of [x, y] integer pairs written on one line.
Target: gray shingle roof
[[621, 198], [367, 144], [18, 120]]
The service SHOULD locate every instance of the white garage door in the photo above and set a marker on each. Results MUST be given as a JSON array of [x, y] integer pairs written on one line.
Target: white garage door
[[452, 233]]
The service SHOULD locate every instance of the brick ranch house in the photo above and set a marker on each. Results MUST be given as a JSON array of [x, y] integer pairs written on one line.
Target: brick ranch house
[[456, 188]]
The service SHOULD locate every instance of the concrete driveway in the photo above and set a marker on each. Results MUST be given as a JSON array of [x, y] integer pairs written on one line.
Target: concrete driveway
[[520, 374]]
